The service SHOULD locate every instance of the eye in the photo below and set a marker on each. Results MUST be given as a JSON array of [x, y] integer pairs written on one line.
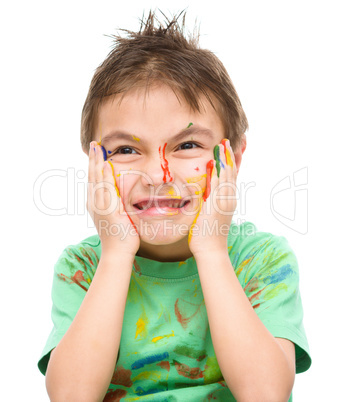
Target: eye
[[188, 145], [124, 151]]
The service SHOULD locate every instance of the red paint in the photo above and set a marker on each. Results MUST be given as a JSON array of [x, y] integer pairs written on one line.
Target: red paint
[[115, 396], [76, 278], [165, 365], [121, 376], [137, 267], [194, 373], [165, 165], [210, 166], [180, 315], [197, 168]]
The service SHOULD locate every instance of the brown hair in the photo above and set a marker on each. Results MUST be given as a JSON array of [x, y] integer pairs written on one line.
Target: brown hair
[[163, 54]]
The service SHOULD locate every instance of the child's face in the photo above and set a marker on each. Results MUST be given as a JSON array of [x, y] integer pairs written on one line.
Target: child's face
[[159, 149]]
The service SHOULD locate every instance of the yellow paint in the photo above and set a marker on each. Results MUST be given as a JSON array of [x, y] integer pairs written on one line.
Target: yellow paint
[[241, 266], [141, 326], [158, 338], [201, 191], [181, 263], [228, 157], [195, 220], [148, 375], [114, 179], [195, 179], [135, 138]]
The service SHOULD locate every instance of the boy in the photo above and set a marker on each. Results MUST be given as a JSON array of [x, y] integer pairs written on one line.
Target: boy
[[171, 301]]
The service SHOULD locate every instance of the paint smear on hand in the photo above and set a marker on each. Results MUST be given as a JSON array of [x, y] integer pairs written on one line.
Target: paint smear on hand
[[227, 152], [165, 165], [117, 190], [210, 167]]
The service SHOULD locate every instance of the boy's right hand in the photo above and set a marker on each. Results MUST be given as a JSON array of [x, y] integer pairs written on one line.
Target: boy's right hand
[[115, 228]]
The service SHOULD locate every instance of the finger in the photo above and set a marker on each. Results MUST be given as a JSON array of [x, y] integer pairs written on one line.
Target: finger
[[92, 162], [228, 152], [210, 167]]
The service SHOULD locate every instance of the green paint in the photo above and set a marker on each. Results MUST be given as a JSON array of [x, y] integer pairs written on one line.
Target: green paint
[[212, 370], [189, 125], [184, 350], [217, 159]]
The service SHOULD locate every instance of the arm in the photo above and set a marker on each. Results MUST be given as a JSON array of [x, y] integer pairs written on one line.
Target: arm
[[255, 365], [82, 364]]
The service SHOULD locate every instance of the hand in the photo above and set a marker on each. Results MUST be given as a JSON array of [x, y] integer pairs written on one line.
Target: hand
[[209, 231], [114, 226]]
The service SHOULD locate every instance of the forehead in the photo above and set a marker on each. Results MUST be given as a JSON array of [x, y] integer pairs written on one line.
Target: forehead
[[157, 113]]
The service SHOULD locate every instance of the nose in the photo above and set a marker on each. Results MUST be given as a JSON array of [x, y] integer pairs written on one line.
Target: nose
[[158, 170]]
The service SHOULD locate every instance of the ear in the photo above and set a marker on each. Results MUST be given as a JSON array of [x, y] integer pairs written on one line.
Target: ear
[[239, 152]]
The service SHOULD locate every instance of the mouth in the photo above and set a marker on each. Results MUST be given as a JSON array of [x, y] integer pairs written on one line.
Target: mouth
[[161, 204]]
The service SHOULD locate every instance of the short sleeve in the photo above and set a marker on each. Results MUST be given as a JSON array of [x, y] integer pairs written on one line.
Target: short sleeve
[[73, 274], [269, 276]]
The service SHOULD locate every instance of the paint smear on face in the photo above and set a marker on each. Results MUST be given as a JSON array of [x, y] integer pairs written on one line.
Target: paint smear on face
[[194, 373], [135, 138], [158, 338], [165, 165], [195, 179], [189, 125], [197, 168]]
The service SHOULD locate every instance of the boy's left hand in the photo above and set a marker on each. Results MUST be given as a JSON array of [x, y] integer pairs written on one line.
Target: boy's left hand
[[209, 231]]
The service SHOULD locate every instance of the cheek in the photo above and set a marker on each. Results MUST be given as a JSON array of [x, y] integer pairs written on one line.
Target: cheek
[[196, 177]]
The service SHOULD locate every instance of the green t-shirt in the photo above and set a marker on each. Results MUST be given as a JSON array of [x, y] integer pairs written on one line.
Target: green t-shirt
[[166, 352]]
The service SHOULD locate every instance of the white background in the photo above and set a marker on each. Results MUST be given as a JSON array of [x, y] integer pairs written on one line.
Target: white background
[[283, 57]]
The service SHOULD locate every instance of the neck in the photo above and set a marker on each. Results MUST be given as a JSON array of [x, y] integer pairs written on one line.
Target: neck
[[165, 253]]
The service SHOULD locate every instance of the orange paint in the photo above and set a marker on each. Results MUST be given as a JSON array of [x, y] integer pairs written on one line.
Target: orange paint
[[210, 167], [227, 153]]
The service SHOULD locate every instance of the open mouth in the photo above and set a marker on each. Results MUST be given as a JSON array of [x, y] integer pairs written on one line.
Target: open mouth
[[161, 204]]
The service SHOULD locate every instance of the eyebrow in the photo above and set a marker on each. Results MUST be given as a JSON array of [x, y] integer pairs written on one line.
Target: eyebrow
[[119, 135], [192, 130]]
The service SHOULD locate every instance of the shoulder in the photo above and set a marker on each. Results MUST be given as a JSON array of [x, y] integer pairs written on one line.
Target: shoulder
[[78, 258], [253, 250]]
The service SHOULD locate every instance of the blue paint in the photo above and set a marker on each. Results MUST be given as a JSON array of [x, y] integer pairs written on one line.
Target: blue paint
[[141, 391], [280, 275], [148, 360], [104, 153], [109, 152]]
